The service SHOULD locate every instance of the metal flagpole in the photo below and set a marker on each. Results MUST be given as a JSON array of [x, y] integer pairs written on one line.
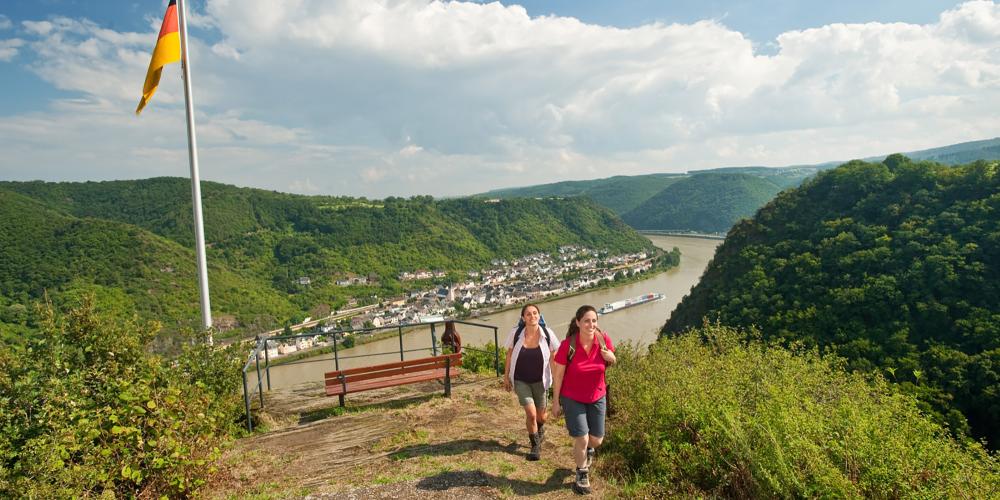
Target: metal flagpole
[[199, 231]]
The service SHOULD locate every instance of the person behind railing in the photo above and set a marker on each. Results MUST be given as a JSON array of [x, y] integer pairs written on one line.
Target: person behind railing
[[581, 390], [530, 346], [451, 341]]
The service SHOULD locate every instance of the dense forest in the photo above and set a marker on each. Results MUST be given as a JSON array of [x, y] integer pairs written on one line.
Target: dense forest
[[894, 266], [707, 203], [132, 241]]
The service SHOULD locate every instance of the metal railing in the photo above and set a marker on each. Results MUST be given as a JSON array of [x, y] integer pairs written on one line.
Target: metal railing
[[335, 337]]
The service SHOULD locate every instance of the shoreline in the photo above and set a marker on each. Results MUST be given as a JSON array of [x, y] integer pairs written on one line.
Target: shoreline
[[703, 236]]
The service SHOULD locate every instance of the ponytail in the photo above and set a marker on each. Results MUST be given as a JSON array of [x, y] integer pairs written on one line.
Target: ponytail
[[573, 327]]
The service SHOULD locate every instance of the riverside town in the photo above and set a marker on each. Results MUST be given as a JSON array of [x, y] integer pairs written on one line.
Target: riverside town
[[507, 283]]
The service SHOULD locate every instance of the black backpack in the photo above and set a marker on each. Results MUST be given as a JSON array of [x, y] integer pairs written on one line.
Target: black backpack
[[541, 323]]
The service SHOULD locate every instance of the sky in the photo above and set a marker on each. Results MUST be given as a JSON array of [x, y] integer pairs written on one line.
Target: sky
[[384, 98]]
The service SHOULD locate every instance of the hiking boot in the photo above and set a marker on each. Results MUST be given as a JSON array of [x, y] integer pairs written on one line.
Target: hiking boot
[[541, 433], [590, 458], [582, 484], [536, 447]]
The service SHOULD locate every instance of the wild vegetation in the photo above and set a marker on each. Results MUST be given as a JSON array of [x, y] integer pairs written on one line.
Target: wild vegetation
[[717, 412], [86, 410], [894, 266]]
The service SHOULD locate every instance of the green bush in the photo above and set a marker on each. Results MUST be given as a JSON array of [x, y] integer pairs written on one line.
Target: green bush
[[708, 414], [86, 410], [480, 359]]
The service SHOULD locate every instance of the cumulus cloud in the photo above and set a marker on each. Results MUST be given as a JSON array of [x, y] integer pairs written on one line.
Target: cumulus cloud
[[380, 97]]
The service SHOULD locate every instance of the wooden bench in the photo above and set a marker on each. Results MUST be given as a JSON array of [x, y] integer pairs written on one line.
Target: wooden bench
[[343, 382]]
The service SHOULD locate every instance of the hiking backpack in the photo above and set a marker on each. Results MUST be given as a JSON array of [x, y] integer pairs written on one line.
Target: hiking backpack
[[541, 323]]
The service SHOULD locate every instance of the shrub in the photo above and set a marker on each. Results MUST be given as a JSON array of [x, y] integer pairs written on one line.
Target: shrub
[[88, 411], [480, 359], [706, 413]]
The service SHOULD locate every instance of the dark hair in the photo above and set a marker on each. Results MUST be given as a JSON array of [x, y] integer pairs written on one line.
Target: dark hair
[[526, 306], [450, 337], [580, 313]]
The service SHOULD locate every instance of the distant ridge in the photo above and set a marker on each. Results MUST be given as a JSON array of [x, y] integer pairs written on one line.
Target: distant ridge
[[632, 197], [955, 154], [707, 203], [620, 193]]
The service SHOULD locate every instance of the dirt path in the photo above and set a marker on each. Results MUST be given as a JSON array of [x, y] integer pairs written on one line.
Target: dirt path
[[405, 442]]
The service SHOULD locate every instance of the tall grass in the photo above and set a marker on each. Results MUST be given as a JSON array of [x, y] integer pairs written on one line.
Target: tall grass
[[708, 413]]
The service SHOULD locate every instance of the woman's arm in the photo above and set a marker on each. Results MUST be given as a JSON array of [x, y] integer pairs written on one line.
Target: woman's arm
[[558, 372], [506, 370]]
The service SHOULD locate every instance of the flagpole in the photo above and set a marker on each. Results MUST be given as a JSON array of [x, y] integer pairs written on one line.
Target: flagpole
[[199, 231]]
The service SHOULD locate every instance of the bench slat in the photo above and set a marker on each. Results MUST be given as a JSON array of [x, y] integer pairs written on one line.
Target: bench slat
[[393, 372], [455, 358], [336, 390], [343, 382]]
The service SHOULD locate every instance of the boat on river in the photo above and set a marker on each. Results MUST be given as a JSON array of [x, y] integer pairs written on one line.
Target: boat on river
[[634, 301]]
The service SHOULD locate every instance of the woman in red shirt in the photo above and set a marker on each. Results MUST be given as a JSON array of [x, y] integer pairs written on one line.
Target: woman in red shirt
[[578, 380]]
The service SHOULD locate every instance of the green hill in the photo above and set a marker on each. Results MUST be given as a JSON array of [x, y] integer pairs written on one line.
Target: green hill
[[894, 266], [121, 235], [47, 252], [705, 203], [620, 193]]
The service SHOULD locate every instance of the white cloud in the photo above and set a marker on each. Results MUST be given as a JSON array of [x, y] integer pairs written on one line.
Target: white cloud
[[5, 23], [9, 48], [380, 97], [38, 27]]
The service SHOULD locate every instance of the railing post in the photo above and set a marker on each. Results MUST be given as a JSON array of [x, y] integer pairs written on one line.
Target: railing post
[[336, 356], [260, 382], [400, 342], [267, 364], [434, 342], [496, 351], [246, 401], [447, 376]]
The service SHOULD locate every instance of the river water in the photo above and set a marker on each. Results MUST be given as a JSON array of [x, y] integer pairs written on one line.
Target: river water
[[638, 324]]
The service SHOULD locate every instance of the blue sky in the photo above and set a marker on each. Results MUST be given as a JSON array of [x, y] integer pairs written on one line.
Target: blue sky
[[402, 97]]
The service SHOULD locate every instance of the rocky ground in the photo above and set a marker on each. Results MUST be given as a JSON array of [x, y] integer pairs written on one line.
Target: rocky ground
[[403, 442]]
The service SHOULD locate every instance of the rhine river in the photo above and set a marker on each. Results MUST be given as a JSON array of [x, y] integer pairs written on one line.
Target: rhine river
[[639, 324]]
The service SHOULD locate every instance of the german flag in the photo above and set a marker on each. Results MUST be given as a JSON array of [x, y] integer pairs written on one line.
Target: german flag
[[167, 50]]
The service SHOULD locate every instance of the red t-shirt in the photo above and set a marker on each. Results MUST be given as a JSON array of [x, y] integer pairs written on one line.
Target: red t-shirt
[[584, 378]]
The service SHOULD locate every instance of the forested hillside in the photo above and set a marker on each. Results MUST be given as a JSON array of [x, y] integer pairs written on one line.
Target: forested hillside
[[894, 266], [707, 203], [46, 253], [620, 193], [134, 238]]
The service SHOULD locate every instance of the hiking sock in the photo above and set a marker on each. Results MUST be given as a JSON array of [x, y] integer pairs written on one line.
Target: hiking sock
[[536, 447], [590, 458], [541, 432]]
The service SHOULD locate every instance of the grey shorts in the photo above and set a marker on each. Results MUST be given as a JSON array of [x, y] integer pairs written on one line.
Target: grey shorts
[[531, 394], [584, 418]]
